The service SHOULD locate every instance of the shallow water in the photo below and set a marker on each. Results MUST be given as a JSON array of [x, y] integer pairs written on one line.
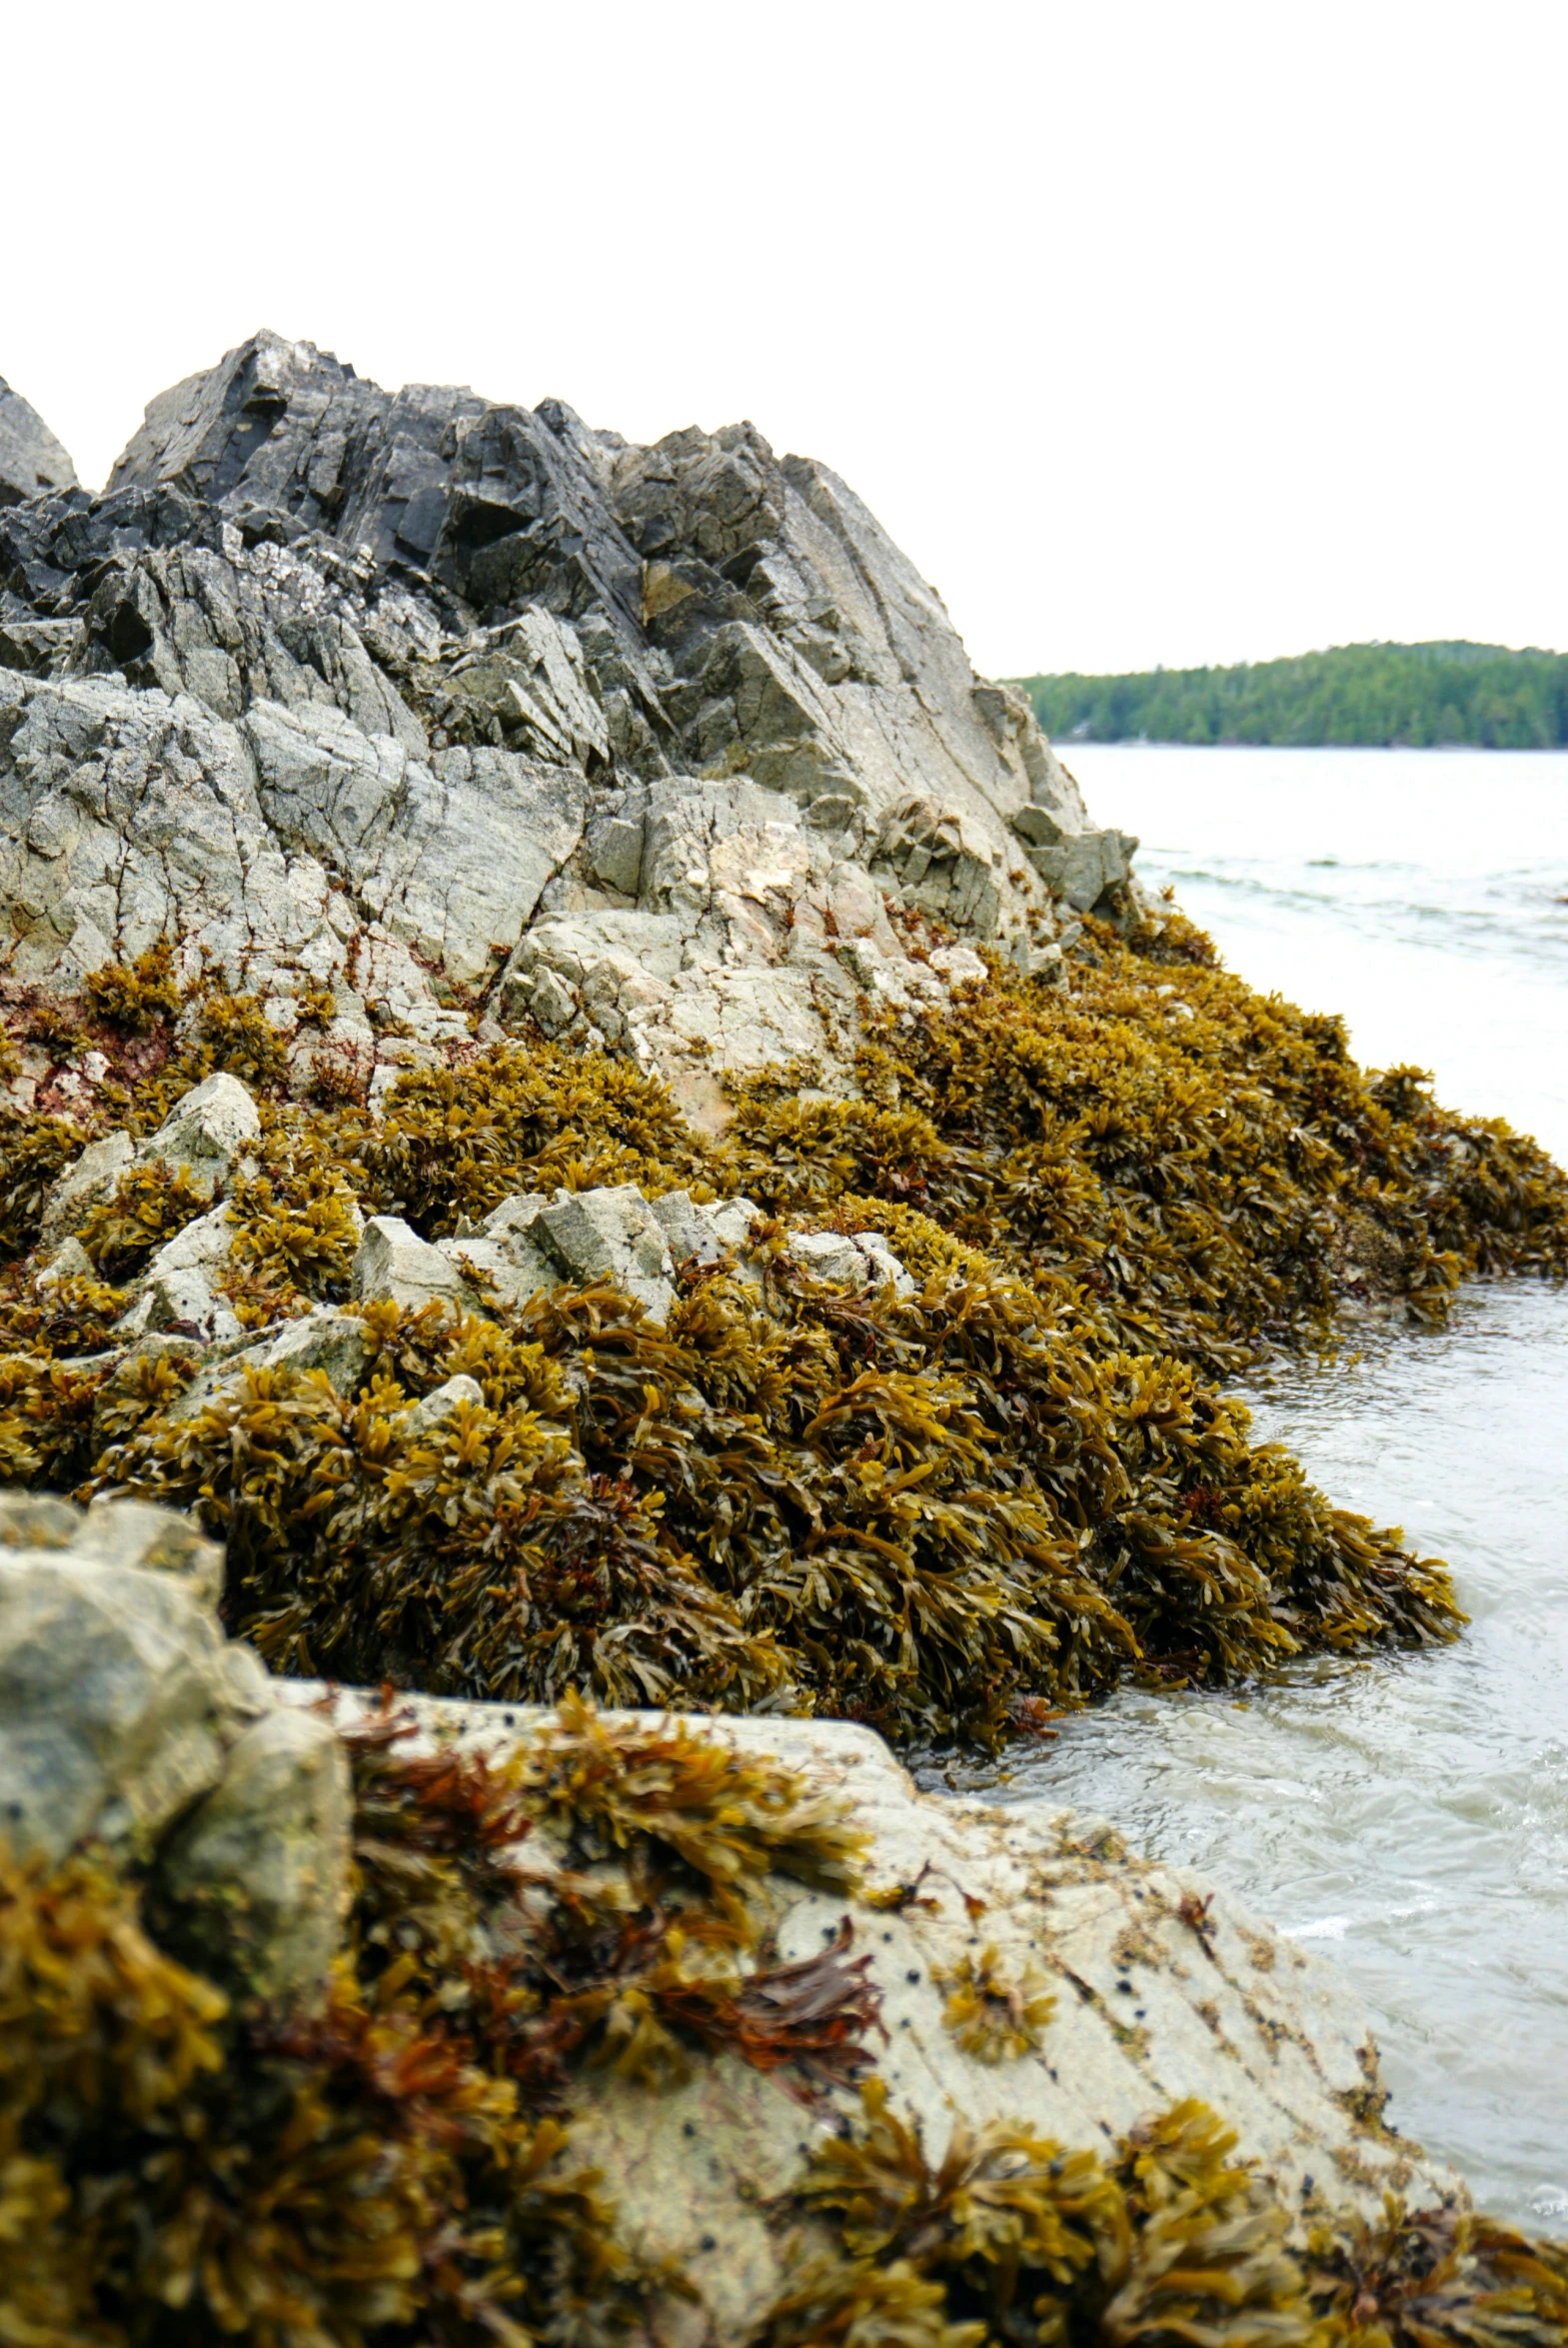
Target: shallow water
[[1422, 893], [1408, 1817]]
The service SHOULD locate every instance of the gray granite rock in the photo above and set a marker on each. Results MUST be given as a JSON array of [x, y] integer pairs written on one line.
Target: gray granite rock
[[126, 1718], [612, 1235], [856, 1259], [207, 1132], [395, 1266], [113, 1700], [32, 461], [258, 1876], [433, 1410], [405, 694], [85, 1183]]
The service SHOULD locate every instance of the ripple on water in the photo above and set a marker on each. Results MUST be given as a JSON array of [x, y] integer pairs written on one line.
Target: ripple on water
[[1409, 1817]]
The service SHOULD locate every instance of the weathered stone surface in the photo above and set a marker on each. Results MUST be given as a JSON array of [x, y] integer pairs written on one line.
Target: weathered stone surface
[[32, 461], [509, 1257], [329, 1343], [258, 1876], [181, 1301], [1149, 2009], [395, 1266], [443, 1403], [403, 693], [854, 1259], [113, 1699], [203, 1245], [127, 1719], [612, 1234], [707, 1234], [68, 1261], [206, 1133], [84, 1185], [132, 1533]]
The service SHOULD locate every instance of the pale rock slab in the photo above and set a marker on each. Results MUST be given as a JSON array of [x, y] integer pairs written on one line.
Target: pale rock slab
[[613, 1235], [395, 1266], [113, 1700], [855, 1260], [1148, 2011]]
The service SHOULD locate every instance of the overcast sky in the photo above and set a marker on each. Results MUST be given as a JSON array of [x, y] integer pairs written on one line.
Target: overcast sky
[[1178, 333]]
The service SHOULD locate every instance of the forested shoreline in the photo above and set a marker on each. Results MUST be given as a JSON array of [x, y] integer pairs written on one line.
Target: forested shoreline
[[1417, 694]]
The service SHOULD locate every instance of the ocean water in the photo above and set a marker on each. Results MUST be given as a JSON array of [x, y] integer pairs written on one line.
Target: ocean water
[[1409, 1818]]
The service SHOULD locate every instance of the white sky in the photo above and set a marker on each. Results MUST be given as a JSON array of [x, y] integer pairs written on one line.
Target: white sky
[[1172, 332]]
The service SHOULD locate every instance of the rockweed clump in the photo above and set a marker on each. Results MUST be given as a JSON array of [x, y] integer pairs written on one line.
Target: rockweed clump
[[392, 2158], [1014, 1487]]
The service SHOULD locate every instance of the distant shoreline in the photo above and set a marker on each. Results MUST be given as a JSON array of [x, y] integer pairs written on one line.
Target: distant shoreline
[[1351, 696]]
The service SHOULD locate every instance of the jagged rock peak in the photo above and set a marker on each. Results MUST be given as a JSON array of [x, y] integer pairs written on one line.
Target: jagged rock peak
[[472, 713], [32, 461]]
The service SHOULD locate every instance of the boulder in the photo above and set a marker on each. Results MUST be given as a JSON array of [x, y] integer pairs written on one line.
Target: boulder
[[206, 1133], [854, 1259], [1143, 1984], [406, 693], [32, 461], [325, 1341], [204, 1245], [509, 1257], [127, 1719], [68, 1261], [394, 1266], [433, 1410], [707, 1234], [612, 1234], [132, 1533], [85, 1183], [114, 1700], [258, 1878]]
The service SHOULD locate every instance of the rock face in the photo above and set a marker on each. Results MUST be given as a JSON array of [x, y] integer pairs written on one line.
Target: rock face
[[1162, 1988], [127, 1719], [456, 707], [32, 461]]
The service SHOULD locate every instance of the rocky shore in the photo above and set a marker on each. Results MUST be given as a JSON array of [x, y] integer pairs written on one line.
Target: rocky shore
[[592, 1131]]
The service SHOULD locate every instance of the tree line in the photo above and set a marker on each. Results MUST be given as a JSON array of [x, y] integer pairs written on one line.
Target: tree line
[[1418, 695]]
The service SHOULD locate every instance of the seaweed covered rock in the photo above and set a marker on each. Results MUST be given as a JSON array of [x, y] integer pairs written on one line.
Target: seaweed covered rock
[[655, 2033], [897, 1408]]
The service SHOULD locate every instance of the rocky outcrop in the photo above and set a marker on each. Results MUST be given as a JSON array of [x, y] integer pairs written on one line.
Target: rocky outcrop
[[32, 461], [127, 1719], [1025, 1967], [468, 713]]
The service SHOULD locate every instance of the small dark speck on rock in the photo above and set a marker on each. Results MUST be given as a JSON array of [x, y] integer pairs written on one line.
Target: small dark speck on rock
[[911, 1975], [1126, 1987], [886, 1937], [689, 2127], [708, 2242]]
